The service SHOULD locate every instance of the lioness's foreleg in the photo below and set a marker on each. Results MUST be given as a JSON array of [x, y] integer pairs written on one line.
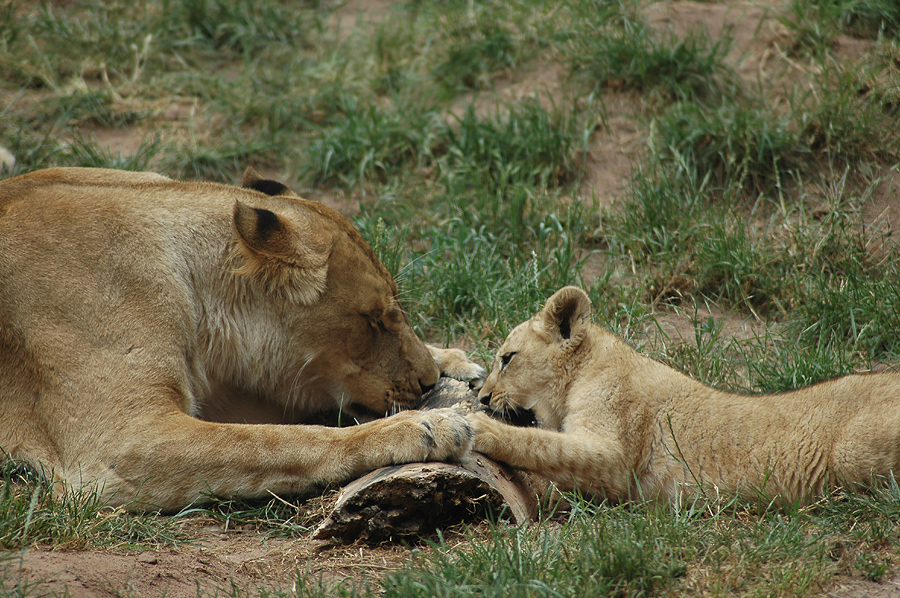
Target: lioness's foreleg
[[180, 460], [570, 460]]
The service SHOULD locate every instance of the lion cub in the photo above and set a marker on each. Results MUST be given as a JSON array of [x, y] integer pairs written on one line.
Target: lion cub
[[619, 425]]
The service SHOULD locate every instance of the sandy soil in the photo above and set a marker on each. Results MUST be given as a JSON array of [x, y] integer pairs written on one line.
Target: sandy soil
[[213, 563]]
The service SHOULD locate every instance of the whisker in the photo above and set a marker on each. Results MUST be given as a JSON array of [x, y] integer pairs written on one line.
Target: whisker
[[295, 390]]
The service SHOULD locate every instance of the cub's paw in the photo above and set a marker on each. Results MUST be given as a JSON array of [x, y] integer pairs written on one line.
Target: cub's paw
[[447, 436], [487, 432], [454, 363]]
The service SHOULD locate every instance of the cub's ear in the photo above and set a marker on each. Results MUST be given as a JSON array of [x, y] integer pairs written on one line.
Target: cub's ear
[[567, 314], [286, 254], [253, 180]]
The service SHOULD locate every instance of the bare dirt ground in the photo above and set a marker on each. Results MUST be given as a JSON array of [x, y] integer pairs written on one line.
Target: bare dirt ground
[[216, 560], [213, 563]]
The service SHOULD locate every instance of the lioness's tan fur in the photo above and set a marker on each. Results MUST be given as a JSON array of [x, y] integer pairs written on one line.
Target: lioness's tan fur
[[619, 425], [138, 314]]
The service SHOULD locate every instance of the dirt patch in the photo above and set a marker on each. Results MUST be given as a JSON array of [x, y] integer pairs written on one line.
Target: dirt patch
[[859, 588], [883, 212], [215, 561], [755, 34], [540, 79], [351, 15], [120, 142], [348, 204], [681, 326], [614, 149]]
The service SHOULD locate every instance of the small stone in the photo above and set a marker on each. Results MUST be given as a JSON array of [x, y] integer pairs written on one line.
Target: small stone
[[148, 558]]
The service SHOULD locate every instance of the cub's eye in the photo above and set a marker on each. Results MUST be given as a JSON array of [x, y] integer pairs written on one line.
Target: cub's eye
[[505, 359]]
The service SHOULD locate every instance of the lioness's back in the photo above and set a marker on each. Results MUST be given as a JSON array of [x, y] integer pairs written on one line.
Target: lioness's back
[[80, 246]]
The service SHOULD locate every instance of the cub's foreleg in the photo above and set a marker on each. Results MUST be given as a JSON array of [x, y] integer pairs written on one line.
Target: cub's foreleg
[[588, 462]]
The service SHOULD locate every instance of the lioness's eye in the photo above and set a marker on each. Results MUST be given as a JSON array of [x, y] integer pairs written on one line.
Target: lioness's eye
[[504, 359], [375, 323]]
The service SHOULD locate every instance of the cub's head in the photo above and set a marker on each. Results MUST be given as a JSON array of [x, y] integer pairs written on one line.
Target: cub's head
[[347, 335], [533, 367]]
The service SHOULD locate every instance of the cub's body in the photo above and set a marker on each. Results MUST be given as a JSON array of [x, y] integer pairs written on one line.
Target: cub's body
[[620, 425]]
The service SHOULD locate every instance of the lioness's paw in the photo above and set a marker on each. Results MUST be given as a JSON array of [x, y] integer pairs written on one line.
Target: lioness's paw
[[454, 363], [416, 436], [447, 434]]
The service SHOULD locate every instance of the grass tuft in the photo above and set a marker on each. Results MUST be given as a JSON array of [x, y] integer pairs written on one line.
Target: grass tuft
[[601, 552], [368, 143], [528, 144], [615, 48], [745, 149], [816, 24], [35, 514]]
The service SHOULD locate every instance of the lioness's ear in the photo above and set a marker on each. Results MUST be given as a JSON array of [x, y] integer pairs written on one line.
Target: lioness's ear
[[287, 255], [566, 314], [253, 180]]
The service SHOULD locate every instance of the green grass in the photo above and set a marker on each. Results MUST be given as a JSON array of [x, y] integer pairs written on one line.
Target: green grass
[[368, 143], [625, 555], [475, 51], [477, 43], [742, 148], [32, 151], [529, 144], [32, 514], [734, 548], [613, 47], [815, 25], [850, 125], [752, 202]]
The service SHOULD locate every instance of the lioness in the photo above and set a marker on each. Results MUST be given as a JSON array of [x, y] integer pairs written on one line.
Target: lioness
[[140, 315], [619, 425]]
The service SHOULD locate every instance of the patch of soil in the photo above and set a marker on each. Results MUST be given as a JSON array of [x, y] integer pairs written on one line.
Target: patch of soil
[[883, 212], [860, 588], [540, 79], [347, 204], [679, 326], [212, 564], [614, 149], [755, 34], [123, 142], [350, 15]]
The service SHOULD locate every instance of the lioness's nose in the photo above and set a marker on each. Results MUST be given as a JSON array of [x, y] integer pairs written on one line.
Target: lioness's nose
[[486, 399]]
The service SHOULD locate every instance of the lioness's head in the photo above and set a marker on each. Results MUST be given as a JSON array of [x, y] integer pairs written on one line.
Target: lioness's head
[[531, 370], [349, 334]]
